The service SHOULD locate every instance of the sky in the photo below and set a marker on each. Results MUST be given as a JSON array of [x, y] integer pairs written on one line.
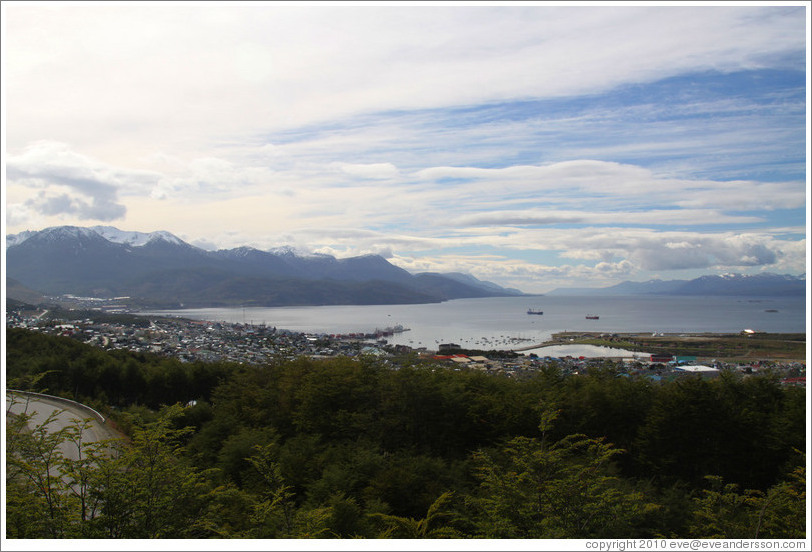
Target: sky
[[537, 146]]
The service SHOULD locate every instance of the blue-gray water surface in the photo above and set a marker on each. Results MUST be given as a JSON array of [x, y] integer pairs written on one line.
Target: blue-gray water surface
[[503, 322]]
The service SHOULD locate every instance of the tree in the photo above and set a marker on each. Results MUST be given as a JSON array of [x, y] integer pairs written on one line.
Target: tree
[[35, 490], [78, 474], [724, 512], [50, 476], [433, 526], [783, 514], [275, 514], [148, 490], [530, 488]]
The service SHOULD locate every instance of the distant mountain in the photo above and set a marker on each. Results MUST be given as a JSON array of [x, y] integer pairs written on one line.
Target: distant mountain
[[651, 287], [15, 291], [14, 239], [473, 281], [766, 285], [159, 269], [134, 238]]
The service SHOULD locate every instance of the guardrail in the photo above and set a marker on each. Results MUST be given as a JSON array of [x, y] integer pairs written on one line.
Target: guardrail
[[60, 399]]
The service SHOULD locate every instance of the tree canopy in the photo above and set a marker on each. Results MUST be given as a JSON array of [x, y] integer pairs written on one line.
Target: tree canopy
[[345, 448]]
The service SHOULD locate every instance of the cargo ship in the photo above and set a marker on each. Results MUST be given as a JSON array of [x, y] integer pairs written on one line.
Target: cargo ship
[[592, 317], [531, 311]]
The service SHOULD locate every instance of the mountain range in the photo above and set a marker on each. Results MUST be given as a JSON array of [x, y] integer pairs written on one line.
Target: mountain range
[[159, 270], [765, 284]]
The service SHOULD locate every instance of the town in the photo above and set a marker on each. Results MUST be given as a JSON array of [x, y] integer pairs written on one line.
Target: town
[[207, 341]]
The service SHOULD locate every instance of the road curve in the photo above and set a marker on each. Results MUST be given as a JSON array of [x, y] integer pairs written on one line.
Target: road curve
[[40, 408]]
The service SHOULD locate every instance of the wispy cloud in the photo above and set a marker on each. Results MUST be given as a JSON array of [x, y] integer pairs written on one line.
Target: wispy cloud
[[531, 145], [655, 217]]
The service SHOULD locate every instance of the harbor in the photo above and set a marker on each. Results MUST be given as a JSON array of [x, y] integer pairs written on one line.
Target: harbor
[[503, 323]]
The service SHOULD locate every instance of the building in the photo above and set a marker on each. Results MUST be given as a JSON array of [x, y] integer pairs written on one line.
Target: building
[[704, 371]]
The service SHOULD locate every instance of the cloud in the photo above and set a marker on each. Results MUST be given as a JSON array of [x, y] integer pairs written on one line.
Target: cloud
[[66, 205], [204, 243], [528, 276], [634, 249], [586, 183], [620, 205], [376, 171], [707, 252], [663, 251], [602, 257], [18, 215], [48, 162], [676, 133], [71, 183], [540, 143], [212, 178], [536, 217], [743, 195], [271, 67]]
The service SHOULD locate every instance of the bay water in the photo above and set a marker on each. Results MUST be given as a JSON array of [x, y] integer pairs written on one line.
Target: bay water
[[503, 322]]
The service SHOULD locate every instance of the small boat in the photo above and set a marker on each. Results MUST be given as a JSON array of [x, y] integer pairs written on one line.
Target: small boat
[[531, 311], [592, 317]]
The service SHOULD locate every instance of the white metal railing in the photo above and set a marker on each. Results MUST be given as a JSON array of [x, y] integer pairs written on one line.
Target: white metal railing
[[62, 399]]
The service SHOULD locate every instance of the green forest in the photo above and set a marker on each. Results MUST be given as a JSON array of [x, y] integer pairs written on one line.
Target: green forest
[[360, 448]]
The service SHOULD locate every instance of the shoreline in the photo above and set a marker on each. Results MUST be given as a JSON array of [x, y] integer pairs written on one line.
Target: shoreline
[[746, 345]]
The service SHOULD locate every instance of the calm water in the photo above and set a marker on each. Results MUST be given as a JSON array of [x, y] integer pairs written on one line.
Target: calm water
[[503, 322]]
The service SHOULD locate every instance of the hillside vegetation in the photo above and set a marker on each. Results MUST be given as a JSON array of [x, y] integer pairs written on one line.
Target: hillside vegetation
[[354, 448]]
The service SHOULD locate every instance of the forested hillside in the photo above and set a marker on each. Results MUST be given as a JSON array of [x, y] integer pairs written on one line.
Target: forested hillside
[[354, 448]]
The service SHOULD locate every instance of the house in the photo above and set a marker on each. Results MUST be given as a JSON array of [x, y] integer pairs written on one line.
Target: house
[[704, 371], [800, 382]]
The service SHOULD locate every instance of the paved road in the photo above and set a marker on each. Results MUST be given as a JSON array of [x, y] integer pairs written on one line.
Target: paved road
[[42, 407]]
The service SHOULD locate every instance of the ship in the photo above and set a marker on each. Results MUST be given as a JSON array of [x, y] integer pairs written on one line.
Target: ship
[[531, 311], [592, 317]]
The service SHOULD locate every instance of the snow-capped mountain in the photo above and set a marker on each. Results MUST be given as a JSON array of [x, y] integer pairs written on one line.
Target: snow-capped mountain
[[764, 284], [109, 233], [290, 251], [54, 234], [15, 239], [160, 269], [135, 239]]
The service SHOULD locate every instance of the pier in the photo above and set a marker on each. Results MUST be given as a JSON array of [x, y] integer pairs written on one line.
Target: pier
[[548, 343]]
